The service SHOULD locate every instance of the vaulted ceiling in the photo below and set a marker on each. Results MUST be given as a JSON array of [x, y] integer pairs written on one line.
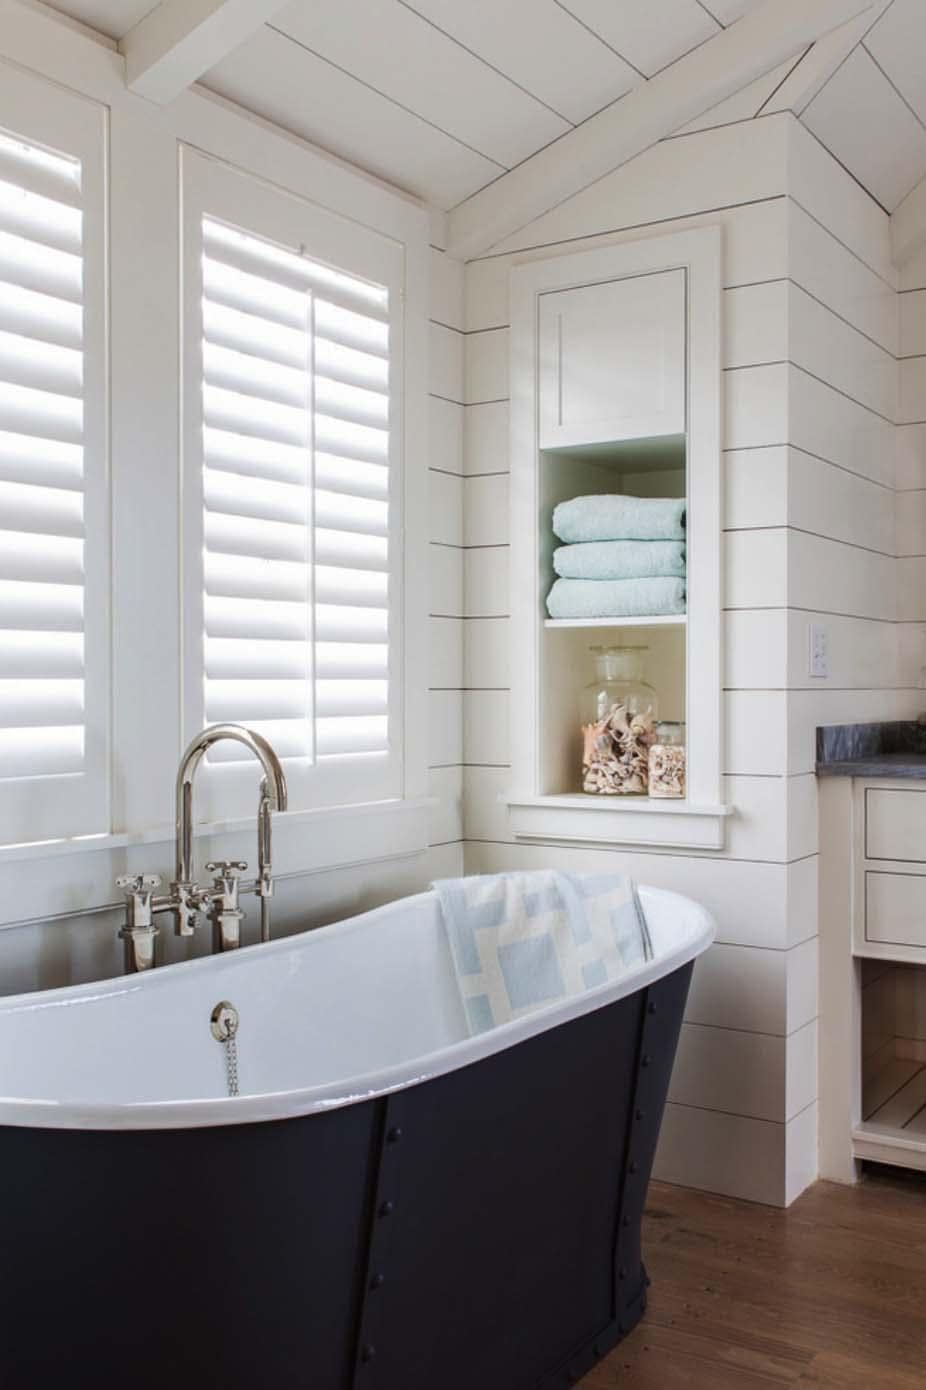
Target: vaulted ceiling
[[442, 97]]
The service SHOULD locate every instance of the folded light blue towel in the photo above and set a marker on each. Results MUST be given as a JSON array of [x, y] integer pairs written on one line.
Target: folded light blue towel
[[616, 598], [614, 518], [620, 559], [521, 942]]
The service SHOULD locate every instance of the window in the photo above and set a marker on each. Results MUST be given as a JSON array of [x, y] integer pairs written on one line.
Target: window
[[53, 530], [292, 505]]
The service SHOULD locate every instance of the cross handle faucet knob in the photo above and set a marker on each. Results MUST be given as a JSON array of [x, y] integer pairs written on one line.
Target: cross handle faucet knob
[[226, 868], [139, 883]]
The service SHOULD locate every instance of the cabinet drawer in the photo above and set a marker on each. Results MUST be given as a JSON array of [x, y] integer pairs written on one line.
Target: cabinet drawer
[[895, 825], [895, 908]]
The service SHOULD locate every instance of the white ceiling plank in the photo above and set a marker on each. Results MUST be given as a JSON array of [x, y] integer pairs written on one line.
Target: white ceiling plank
[[402, 56], [769, 35], [728, 11], [110, 17], [744, 104], [541, 47], [649, 36], [860, 119], [280, 81], [179, 40], [908, 225], [817, 67], [898, 43]]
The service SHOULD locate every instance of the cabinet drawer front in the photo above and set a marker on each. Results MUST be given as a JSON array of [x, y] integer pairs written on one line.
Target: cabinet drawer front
[[895, 825], [895, 908]]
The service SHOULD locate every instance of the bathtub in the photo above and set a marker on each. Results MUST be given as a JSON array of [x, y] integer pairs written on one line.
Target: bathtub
[[387, 1203]]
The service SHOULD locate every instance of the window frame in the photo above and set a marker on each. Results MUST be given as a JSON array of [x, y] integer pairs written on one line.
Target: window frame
[[144, 210], [41, 807], [213, 189]]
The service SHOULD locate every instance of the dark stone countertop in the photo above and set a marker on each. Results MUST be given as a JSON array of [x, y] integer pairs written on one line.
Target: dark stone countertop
[[893, 749]]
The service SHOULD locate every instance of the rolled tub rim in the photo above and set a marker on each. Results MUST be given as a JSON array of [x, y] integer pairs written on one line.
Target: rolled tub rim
[[266, 1106]]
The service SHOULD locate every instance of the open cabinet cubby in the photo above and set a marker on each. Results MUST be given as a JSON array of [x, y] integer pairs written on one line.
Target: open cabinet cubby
[[641, 468], [893, 1099], [616, 390]]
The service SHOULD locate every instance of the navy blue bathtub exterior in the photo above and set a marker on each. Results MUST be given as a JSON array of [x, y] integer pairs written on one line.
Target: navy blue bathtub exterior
[[480, 1231]]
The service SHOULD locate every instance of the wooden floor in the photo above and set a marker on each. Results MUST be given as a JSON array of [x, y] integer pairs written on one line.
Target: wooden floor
[[831, 1293]]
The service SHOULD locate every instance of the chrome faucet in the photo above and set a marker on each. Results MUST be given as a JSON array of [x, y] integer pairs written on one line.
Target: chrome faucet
[[186, 899]]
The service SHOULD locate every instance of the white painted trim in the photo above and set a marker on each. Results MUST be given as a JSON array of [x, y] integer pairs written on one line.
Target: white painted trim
[[771, 34], [637, 821], [698, 252], [815, 69], [663, 620], [145, 216], [164, 834], [82, 878], [879, 1145], [179, 40], [908, 225], [840, 1054]]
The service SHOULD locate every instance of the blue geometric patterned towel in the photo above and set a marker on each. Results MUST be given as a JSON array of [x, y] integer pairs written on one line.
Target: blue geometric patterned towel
[[522, 941]]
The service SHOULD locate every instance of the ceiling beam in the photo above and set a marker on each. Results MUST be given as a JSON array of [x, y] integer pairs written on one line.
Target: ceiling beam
[[817, 66], [908, 225], [769, 35], [179, 40]]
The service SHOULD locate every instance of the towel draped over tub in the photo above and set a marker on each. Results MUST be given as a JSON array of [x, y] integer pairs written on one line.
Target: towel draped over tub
[[521, 941]]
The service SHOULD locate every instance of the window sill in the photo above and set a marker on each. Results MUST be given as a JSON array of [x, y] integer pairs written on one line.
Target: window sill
[[62, 877], [588, 820]]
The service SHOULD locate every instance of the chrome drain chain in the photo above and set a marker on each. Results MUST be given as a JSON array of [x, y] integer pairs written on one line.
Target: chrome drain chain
[[231, 1065], [224, 1023]]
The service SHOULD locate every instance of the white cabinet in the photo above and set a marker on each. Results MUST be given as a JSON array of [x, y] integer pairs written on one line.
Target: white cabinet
[[895, 824], [890, 872], [612, 361], [895, 909], [616, 390]]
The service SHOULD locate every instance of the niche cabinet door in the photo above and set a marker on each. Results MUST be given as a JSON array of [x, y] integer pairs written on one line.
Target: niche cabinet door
[[612, 361]]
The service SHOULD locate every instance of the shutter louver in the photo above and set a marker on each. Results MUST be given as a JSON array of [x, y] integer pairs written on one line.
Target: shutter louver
[[42, 475], [295, 400]]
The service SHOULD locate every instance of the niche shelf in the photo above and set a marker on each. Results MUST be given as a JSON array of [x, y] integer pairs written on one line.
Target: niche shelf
[[892, 1128], [662, 620], [616, 372]]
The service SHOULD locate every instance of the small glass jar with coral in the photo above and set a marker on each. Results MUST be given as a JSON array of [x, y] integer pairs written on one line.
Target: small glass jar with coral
[[619, 716], [667, 761]]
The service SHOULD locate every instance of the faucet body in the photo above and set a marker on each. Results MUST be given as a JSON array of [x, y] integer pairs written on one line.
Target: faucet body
[[186, 900]]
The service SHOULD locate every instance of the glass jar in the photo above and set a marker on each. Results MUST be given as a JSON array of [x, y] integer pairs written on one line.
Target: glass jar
[[667, 761], [619, 714]]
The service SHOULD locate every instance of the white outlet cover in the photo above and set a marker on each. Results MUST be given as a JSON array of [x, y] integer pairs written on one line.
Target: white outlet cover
[[818, 664]]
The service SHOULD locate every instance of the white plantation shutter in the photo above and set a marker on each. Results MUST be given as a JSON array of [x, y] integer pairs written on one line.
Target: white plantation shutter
[[296, 463], [53, 537]]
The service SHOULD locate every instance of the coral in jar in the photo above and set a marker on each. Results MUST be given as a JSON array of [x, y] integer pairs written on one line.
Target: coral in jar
[[615, 759], [667, 770]]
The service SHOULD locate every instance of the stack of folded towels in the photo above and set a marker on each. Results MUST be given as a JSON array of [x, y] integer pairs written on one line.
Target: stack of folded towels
[[623, 557]]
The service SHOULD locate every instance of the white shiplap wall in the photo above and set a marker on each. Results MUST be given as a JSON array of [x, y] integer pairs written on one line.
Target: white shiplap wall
[[445, 621], [810, 379]]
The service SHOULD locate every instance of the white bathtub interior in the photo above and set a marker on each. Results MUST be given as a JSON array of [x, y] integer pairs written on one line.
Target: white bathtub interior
[[336, 1014]]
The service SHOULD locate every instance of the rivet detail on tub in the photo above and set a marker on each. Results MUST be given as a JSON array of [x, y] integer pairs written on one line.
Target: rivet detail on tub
[[386, 1203], [650, 1083]]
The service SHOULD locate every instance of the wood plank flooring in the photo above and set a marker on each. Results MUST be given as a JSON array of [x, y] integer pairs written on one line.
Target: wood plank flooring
[[830, 1294]]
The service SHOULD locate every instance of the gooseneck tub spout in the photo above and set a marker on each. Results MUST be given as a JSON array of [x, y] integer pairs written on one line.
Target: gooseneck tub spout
[[273, 797], [185, 899]]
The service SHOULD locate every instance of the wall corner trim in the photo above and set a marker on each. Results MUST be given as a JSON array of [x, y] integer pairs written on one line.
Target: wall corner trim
[[908, 225]]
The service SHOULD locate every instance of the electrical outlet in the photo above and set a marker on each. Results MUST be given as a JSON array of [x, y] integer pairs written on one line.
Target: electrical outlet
[[818, 656]]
